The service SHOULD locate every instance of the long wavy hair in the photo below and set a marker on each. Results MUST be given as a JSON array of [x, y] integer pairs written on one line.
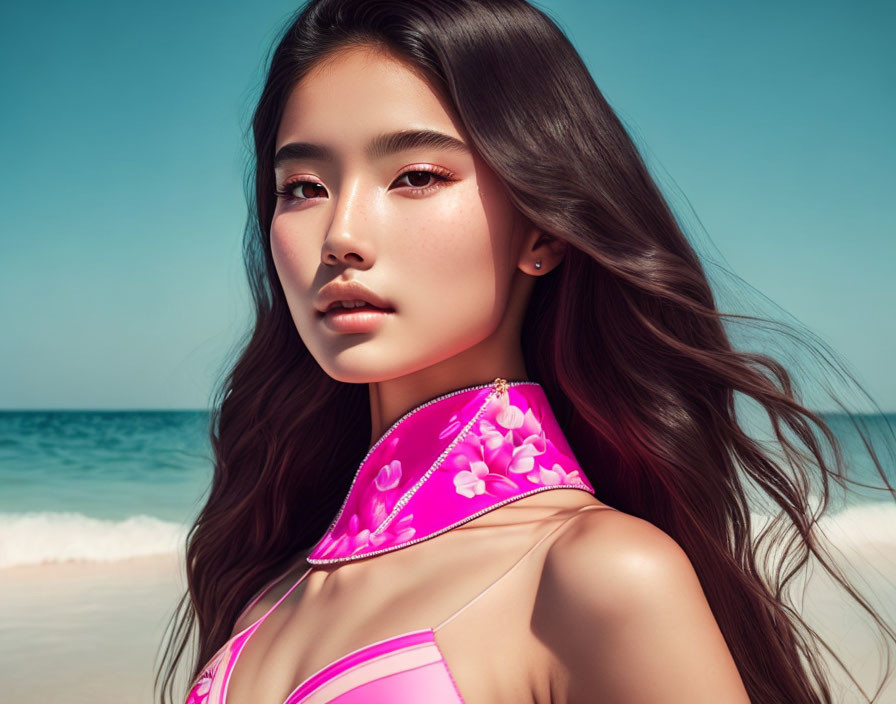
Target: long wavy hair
[[624, 336]]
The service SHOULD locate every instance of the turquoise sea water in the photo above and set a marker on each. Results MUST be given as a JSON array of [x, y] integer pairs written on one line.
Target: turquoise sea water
[[106, 485]]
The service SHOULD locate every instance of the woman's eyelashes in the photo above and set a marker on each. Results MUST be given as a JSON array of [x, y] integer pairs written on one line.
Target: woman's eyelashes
[[305, 188]]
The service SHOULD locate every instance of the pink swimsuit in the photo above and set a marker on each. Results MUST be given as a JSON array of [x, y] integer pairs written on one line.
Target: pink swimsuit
[[479, 438], [405, 669]]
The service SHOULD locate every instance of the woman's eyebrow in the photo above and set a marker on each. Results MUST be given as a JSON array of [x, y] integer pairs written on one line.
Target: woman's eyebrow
[[380, 146]]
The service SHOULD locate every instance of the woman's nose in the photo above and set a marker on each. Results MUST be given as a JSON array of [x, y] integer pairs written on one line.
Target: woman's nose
[[348, 239]]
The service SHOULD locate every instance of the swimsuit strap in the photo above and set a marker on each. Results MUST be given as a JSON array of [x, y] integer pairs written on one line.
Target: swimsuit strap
[[265, 590], [452, 616], [518, 562]]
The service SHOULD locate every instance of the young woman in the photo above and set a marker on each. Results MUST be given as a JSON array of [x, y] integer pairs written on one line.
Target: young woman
[[475, 316]]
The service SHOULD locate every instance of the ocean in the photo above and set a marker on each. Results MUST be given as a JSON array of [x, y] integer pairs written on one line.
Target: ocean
[[99, 485]]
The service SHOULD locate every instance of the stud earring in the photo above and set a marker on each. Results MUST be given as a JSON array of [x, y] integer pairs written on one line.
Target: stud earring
[[538, 264]]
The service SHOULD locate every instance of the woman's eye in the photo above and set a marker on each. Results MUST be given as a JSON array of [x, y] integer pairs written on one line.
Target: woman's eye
[[290, 189], [419, 180]]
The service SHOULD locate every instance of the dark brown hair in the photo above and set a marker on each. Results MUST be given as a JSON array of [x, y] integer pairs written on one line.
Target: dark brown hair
[[624, 336]]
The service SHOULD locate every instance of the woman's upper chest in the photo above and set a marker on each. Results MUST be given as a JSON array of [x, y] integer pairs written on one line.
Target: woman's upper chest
[[488, 648]]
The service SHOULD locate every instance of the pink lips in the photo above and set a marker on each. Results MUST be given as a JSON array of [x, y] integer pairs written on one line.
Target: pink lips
[[355, 320]]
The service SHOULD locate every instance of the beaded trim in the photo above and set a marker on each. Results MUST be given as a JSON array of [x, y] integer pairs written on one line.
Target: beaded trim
[[349, 558], [441, 458]]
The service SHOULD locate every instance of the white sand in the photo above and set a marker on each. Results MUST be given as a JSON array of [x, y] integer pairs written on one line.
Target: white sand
[[846, 627], [84, 631], [90, 632]]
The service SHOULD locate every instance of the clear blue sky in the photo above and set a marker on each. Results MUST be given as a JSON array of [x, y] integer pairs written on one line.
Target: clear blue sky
[[122, 208]]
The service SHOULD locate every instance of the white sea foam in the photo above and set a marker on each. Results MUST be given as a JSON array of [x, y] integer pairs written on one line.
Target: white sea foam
[[858, 538], [44, 537], [862, 525], [853, 527]]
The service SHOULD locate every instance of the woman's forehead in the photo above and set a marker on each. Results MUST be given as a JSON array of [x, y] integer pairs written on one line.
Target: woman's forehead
[[359, 93]]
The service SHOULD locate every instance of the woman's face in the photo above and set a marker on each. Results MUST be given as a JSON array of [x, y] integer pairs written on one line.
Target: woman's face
[[428, 228]]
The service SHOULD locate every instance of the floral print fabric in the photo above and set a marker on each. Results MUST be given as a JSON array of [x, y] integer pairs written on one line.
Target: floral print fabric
[[448, 461]]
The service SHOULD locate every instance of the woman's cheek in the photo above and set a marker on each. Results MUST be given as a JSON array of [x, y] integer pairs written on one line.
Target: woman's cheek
[[286, 251], [277, 248], [450, 301]]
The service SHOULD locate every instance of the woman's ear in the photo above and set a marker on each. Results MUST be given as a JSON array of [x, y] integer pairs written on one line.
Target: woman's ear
[[541, 253]]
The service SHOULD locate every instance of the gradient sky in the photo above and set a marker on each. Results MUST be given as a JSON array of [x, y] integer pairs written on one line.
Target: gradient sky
[[769, 126]]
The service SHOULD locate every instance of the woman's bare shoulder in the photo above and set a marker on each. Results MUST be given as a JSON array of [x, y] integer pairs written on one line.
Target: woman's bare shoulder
[[619, 596], [608, 557]]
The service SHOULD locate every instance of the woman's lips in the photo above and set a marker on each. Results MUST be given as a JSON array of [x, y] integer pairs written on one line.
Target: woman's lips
[[355, 320]]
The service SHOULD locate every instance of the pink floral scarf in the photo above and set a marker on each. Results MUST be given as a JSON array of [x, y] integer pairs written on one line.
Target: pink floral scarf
[[447, 462]]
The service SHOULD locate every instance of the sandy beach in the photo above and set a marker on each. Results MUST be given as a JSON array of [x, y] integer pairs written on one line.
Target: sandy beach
[[89, 631], [85, 631]]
